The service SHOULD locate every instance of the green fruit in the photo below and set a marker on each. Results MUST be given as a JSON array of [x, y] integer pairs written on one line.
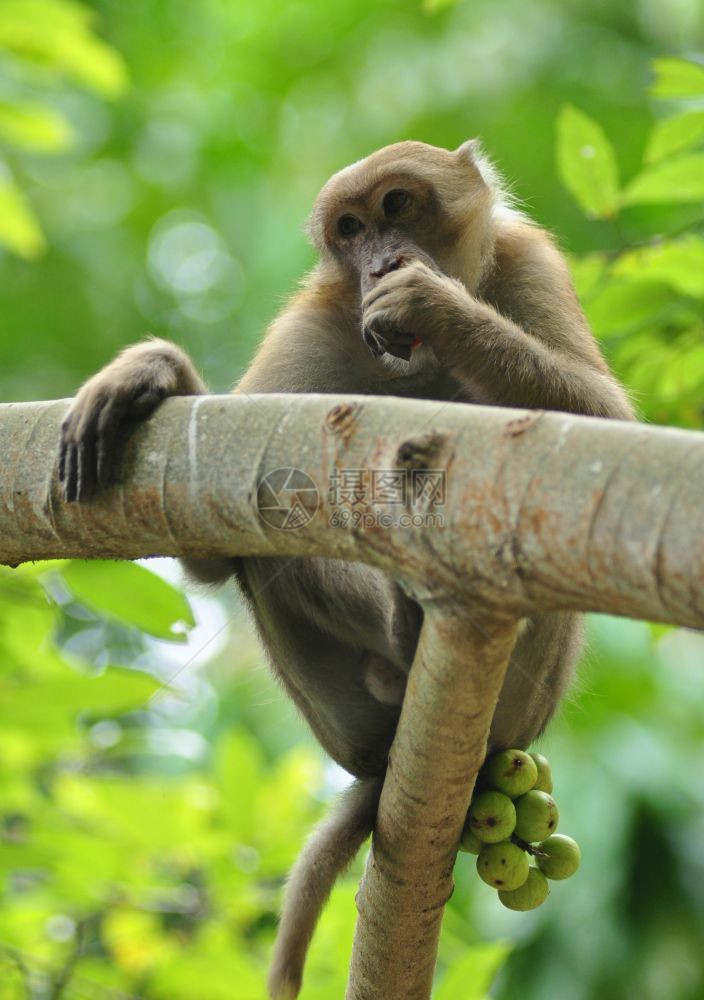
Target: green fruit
[[492, 817], [512, 772], [536, 816], [470, 842], [505, 866], [563, 856], [544, 782], [532, 893]]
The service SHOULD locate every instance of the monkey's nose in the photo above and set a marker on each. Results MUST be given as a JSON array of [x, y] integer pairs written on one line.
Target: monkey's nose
[[388, 263]]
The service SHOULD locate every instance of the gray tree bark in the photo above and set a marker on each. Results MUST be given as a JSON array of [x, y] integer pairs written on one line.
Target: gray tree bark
[[542, 511]]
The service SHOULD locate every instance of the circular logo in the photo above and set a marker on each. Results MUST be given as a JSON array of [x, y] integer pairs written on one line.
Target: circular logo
[[287, 499]]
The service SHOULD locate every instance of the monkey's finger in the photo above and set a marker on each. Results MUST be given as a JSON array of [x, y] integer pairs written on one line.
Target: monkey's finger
[[85, 467], [88, 434], [373, 343], [63, 446], [380, 291], [122, 407], [70, 463], [384, 287], [105, 452], [382, 337], [110, 422], [384, 325], [144, 403], [70, 481], [410, 276]]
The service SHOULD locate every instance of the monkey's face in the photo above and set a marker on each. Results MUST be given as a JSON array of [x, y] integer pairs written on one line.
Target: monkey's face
[[385, 228], [407, 202]]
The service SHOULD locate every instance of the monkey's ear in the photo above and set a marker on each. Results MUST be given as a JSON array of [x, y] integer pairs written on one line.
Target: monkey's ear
[[470, 150], [471, 154]]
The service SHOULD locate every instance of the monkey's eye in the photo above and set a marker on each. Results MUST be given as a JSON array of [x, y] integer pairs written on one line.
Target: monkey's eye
[[395, 201], [348, 225]]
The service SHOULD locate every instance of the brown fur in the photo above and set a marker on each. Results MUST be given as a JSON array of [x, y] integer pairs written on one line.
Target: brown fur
[[490, 298]]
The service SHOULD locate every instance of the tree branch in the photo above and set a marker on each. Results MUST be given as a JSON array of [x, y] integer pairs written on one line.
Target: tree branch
[[439, 747], [543, 511]]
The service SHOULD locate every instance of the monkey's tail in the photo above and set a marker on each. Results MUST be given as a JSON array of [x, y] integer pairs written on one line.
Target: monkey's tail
[[326, 854]]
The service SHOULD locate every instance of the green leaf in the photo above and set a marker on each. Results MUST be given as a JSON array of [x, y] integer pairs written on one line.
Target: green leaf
[[19, 230], [680, 264], [625, 304], [35, 128], [21, 586], [471, 977], [680, 180], [13, 985], [136, 939], [586, 163], [239, 767], [658, 630], [285, 803], [61, 699], [22, 926], [677, 78], [675, 134], [683, 377], [130, 593], [435, 6], [211, 959], [101, 973], [151, 813], [58, 34], [326, 972], [27, 620], [35, 570], [588, 273]]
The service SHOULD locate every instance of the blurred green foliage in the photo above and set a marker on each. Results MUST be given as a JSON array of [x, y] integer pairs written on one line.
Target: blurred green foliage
[[146, 821], [41, 43], [157, 161]]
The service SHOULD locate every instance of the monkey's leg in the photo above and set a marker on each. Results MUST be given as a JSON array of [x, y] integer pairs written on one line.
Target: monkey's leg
[[126, 390]]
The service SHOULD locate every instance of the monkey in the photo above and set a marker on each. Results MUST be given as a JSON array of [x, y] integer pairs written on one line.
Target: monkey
[[430, 283]]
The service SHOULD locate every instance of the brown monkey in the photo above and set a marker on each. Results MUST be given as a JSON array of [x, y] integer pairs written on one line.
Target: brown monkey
[[429, 284]]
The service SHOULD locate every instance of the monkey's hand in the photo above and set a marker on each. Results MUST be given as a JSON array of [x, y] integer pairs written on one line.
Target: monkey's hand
[[125, 391], [413, 303]]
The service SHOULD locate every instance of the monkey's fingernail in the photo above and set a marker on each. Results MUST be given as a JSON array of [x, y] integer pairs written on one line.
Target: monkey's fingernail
[[416, 342], [373, 344]]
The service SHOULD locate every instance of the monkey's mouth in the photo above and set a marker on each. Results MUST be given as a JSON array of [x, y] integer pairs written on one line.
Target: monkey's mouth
[[402, 345]]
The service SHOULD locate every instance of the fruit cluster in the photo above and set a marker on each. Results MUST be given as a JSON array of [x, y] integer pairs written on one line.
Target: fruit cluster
[[513, 818]]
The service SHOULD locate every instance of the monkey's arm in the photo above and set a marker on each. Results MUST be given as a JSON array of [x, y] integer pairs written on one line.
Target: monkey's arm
[[524, 343], [126, 390]]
